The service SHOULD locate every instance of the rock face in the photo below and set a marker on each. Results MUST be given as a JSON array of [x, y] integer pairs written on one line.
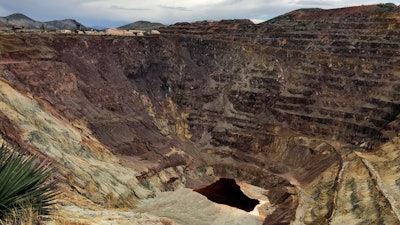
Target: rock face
[[305, 107]]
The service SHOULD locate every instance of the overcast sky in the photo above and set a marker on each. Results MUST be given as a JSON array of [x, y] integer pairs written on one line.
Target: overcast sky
[[114, 13]]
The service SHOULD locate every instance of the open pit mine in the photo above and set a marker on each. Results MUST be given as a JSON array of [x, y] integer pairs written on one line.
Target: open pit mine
[[291, 121]]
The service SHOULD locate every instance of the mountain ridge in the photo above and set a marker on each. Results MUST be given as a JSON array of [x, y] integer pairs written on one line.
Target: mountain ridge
[[142, 25], [21, 20]]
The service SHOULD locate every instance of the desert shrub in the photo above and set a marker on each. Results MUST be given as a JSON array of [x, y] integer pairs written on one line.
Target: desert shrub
[[389, 7], [24, 186]]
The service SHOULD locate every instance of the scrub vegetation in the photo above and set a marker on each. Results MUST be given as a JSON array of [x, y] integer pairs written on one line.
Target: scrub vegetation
[[26, 194]]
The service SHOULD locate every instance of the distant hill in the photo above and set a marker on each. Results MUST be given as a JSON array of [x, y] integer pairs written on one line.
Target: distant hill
[[18, 19], [64, 24], [141, 25], [334, 14]]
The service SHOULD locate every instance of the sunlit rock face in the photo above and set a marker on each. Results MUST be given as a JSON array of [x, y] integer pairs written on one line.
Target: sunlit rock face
[[301, 111]]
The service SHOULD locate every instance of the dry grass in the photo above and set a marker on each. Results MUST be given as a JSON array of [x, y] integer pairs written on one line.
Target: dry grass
[[61, 221], [21, 216]]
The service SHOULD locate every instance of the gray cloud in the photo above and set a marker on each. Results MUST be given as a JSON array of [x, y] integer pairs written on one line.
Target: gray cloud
[[174, 8], [231, 2], [315, 3], [129, 9]]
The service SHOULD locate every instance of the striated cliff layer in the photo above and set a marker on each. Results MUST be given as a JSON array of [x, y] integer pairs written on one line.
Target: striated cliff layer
[[302, 111]]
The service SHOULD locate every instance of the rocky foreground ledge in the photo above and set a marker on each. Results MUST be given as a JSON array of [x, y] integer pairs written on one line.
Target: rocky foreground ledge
[[302, 111]]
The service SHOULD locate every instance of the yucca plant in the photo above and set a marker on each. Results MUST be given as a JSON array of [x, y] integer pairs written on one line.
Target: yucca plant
[[24, 183]]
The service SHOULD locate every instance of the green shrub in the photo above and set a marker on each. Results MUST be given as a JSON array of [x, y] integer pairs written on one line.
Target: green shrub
[[389, 7], [24, 183]]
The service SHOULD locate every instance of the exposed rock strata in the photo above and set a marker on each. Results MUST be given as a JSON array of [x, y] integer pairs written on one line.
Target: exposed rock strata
[[290, 106]]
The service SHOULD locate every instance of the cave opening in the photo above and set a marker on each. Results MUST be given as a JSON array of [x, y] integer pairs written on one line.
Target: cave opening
[[226, 191]]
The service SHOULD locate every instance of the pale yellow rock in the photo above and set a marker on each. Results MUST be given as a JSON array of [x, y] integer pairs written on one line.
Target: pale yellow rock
[[90, 162], [185, 206]]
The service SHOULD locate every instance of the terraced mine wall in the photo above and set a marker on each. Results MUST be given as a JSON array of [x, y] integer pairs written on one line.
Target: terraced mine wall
[[299, 106]]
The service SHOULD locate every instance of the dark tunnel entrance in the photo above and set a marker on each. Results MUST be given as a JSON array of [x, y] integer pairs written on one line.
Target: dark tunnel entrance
[[226, 191]]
